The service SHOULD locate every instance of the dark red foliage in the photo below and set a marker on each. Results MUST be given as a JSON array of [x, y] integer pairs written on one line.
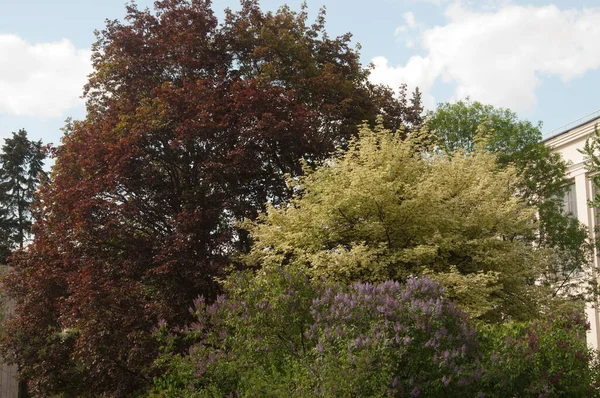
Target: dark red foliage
[[190, 125]]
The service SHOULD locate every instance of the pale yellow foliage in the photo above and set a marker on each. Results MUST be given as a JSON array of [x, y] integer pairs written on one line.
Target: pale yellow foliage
[[390, 208]]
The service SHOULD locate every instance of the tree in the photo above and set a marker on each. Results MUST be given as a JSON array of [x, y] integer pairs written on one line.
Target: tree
[[543, 185], [390, 208], [454, 126], [591, 151], [21, 165], [189, 125]]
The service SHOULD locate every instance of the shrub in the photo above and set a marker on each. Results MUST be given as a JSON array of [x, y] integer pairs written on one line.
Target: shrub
[[539, 359], [281, 334], [284, 335]]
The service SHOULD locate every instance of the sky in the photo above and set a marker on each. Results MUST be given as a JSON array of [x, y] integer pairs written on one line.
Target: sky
[[538, 58]]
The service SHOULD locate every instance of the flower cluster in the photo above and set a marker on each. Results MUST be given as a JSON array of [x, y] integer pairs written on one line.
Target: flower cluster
[[408, 332]]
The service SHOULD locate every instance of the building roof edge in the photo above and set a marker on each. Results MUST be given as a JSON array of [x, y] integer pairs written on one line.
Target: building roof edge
[[571, 126]]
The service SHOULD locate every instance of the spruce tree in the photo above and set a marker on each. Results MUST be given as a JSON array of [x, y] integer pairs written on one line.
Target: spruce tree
[[21, 165]]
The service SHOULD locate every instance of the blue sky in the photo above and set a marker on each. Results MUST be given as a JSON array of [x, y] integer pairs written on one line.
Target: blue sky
[[538, 58]]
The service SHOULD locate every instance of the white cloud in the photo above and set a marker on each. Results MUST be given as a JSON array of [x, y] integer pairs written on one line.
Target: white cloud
[[479, 4], [418, 72], [409, 19], [410, 24], [500, 56], [408, 31], [44, 79], [434, 2]]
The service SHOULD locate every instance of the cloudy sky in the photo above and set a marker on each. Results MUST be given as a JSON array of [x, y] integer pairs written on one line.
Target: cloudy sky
[[536, 57]]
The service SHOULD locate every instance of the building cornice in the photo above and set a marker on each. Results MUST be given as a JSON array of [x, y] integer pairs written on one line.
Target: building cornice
[[581, 131], [576, 168], [594, 116]]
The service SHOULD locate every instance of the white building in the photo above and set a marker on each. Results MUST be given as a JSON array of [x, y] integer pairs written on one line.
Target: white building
[[567, 141]]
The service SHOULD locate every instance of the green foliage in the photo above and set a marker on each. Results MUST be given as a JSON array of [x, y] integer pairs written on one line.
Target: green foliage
[[283, 334], [543, 185], [389, 208], [591, 153], [251, 343], [547, 358], [454, 126]]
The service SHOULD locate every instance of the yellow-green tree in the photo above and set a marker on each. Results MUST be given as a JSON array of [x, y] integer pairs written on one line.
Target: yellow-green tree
[[391, 208]]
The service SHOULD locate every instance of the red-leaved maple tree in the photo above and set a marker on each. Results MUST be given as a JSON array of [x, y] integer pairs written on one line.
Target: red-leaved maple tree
[[190, 125]]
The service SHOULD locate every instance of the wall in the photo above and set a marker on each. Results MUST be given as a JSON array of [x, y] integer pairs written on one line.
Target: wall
[[568, 144]]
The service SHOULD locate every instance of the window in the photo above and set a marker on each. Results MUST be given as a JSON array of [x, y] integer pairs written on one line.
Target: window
[[570, 201]]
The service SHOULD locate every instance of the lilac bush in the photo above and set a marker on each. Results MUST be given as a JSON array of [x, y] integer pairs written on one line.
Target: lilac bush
[[283, 334], [406, 338]]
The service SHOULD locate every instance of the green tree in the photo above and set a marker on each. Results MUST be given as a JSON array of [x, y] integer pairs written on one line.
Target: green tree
[[543, 183], [454, 126], [591, 153], [21, 165], [389, 208]]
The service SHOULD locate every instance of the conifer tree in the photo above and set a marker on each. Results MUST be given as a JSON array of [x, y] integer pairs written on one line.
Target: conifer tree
[[21, 164]]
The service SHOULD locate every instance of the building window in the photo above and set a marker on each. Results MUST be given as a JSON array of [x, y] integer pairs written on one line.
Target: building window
[[570, 201]]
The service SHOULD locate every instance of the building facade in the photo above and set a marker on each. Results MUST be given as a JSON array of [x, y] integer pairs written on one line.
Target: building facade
[[567, 142]]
